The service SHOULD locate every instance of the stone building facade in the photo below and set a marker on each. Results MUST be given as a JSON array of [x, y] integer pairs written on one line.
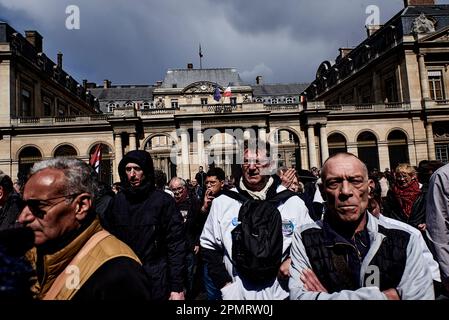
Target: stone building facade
[[384, 100]]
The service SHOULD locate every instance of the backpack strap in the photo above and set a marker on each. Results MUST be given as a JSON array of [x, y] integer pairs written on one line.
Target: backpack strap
[[282, 196], [235, 195]]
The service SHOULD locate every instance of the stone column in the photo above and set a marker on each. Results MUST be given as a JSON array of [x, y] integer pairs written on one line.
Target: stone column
[[200, 149], [430, 142], [323, 143], [185, 155], [118, 155], [311, 146], [263, 134], [425, 91], [132, 142]]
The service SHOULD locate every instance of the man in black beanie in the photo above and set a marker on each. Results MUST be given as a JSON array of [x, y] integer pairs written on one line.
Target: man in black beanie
[[147, 220]]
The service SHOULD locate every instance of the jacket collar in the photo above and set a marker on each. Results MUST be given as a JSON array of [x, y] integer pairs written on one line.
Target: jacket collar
[[55, 263]]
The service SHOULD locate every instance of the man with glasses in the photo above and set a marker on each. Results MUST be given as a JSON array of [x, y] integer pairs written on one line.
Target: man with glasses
[[189, 207], [350, 254], [74, 257], [257, 182], [146, 219], [215, 178]]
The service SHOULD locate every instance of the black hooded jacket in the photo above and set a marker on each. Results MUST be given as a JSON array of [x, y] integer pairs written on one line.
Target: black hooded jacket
[[147, 220]]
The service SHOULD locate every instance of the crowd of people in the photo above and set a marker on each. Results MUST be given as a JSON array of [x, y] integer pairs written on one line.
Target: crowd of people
[[266, 234]]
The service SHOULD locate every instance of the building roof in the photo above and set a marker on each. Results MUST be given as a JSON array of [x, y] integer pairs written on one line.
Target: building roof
[[123, 93], [279, 89], [183, 77]]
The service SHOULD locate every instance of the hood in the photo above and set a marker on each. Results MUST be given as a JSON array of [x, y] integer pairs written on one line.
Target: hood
[[143, 159]]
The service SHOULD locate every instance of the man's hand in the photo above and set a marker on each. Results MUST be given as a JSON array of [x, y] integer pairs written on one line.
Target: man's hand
[[284, 269], [176, 296], [287, 177], [196, 249], [311, 282], [208, 197], [392, 294], [422, 227]]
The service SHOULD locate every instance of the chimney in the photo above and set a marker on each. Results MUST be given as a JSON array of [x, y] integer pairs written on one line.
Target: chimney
[[259, 80], [372, 28], [344, 52], [85, 83], [106, 84], [59, 59], [408, 3], [190, 66], [35, 39]]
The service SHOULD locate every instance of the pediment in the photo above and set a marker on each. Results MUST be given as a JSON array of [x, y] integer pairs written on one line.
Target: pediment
[[201, 87], [441, 35]]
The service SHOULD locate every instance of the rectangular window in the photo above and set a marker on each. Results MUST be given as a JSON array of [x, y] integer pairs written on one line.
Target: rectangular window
[[62, 109], [203, 101], [48, 107], [365, 94], [391, 92], [25, 103], [174, 103], [233, 100], [442, 153], [436, 85]]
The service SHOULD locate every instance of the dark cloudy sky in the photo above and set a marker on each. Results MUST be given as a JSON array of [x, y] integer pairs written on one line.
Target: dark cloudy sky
[[136, 41]]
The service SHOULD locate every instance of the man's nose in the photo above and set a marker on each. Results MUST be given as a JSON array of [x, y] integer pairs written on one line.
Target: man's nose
[[346, 188], [25, 216], [252, 166]]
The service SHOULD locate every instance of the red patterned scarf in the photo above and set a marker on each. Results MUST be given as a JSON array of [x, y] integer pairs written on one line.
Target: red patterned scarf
[[407, 196]]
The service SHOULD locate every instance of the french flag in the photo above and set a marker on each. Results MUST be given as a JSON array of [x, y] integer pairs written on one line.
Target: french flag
[[95, 158], [227, 92]]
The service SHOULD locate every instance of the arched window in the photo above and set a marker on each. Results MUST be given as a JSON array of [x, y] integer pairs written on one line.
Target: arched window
[[105, 168], [27, 157], [367, 149], [336, 143], [160, 148], [397, 148], [65, 151]]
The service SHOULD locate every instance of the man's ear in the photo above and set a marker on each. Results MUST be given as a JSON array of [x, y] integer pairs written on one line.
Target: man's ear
[[371, 186], [83, 204]]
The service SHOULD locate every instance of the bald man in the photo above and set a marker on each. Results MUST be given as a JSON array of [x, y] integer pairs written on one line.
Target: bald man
[[350, 254]]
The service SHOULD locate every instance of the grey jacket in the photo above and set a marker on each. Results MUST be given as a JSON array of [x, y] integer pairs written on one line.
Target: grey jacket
[[416, 282], [438, 217]]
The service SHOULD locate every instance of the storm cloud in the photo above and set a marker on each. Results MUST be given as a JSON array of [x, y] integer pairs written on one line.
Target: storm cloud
[[135, 42]]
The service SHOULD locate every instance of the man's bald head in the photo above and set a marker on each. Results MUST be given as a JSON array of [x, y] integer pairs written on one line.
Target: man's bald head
[[341, 157]]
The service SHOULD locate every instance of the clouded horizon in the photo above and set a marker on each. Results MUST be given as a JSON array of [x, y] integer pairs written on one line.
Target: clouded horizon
[[136, 42]]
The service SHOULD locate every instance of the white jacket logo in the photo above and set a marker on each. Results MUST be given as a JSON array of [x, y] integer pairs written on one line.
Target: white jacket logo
[[373, 280]]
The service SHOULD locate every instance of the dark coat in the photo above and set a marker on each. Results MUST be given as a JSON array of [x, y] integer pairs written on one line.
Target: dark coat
[[10, 211], [392, 209], [147, 220], [107, 283], [194, 221]]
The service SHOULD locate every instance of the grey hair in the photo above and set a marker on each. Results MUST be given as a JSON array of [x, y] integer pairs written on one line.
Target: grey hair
[[181, 181], [80, 177]]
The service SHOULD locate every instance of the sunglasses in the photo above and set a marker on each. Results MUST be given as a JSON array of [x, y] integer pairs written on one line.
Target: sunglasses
[[37, 206]]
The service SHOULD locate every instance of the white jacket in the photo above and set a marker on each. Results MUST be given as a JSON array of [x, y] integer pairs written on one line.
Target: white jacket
[[416, 282], [216, 235]]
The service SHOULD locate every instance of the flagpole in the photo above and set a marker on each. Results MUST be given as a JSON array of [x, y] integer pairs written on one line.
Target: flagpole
[[201, 57]]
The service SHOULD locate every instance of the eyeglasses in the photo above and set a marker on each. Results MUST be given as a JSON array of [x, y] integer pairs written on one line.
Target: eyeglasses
[[36, 206], [257, 163], [176, 190]]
